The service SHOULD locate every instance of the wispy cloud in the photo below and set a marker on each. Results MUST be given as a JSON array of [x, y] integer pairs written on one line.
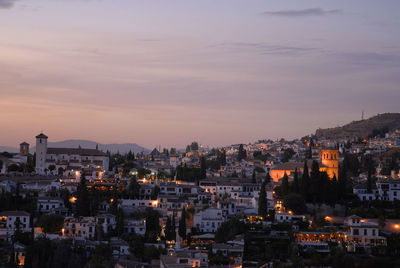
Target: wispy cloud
[[267, 49], [372, 59], [7, 4], [301, 12]]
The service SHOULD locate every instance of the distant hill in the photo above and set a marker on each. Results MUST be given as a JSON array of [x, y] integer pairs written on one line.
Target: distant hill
[[113, 148], [9, 149], [362, 128]]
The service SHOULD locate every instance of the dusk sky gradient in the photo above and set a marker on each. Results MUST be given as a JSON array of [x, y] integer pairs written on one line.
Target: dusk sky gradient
[[172, 71]]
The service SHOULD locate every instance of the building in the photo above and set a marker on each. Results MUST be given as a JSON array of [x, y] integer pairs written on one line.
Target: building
[[11, 220], [385, 189], [62, 159], [330, 162], [362, 235], [208, 221]]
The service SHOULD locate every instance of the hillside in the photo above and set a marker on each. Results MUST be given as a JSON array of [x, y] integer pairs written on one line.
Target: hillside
[[113, 148], [362, 128]]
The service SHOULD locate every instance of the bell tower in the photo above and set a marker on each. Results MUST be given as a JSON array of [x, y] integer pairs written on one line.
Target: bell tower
[[24, 149], [330, 162], [41, 151]]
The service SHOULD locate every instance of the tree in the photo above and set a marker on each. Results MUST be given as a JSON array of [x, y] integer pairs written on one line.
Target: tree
[[268, 178], [369, 179], [52, 168], [285, 185], [242, 153], [51, 223], [295, 203], [133, 188], [229, 229], [153, 228], [182, 224], [315, 179], [83, 202], [168, 229], [173, 229], [203, 168], [119, 228], [194, 146], [305, 181], [296, 187], [101, 257], [262, 200], [155, 192]]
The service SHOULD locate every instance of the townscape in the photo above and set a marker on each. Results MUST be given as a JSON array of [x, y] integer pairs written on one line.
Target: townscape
[[312, 201]]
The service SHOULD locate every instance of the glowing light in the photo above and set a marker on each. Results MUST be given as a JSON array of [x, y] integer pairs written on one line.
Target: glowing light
[[396, 226], [72, 199]]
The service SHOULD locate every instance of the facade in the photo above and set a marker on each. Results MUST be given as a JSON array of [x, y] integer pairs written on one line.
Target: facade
[[67, 158], [208, 221], [362, 235], [11, 220], [330, 162], [385, 190]]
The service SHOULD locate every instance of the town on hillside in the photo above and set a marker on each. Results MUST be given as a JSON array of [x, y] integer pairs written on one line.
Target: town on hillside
[[308, 202]]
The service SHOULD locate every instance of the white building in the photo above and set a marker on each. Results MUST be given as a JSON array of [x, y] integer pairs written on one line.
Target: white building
[[362, 235], [385, 189], [10, 220], [49, 204], [67, 158], [208, 221]]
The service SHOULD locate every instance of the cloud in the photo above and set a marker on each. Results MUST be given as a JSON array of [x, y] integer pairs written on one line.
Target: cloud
[[372, 59], [6, 4], [301, 12], [268, 49]]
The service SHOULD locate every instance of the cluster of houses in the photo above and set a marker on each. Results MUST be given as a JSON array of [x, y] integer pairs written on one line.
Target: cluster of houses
[[231, 191]]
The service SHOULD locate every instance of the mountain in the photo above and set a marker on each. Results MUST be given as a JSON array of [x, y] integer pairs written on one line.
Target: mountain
[[113, 148], [9, 149], [362, 128]]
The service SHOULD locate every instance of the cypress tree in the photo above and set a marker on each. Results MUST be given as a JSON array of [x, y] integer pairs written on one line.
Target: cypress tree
[[173, 229], [182, 224], [82, 202], [253, 177], [262, 201], [296, 187], [285, 185], [305, 181], [203, 168], [316, 185], [167, 231]]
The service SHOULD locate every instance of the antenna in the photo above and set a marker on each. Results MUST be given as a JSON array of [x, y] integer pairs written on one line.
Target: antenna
[[362, 115]]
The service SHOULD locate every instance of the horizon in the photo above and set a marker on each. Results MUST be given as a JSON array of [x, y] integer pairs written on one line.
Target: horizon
[[216, 72]]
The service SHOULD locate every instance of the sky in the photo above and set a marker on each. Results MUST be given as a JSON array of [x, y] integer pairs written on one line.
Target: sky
[[168, 72]]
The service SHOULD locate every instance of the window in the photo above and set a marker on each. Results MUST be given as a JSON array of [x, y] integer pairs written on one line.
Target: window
[[355, 232], [373, 231], [365, 231]]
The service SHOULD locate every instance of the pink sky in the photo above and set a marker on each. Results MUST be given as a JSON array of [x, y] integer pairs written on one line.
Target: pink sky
[[219, 72]]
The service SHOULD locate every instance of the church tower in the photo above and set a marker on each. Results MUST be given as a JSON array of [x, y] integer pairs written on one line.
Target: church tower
[[41, 151], [24, 149], [330, 162]]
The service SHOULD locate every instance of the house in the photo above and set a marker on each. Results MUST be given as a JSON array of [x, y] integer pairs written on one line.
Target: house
[[135, 226], [49, 204], [11, 220], [208, 221], [362, 235], [119, 247]]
